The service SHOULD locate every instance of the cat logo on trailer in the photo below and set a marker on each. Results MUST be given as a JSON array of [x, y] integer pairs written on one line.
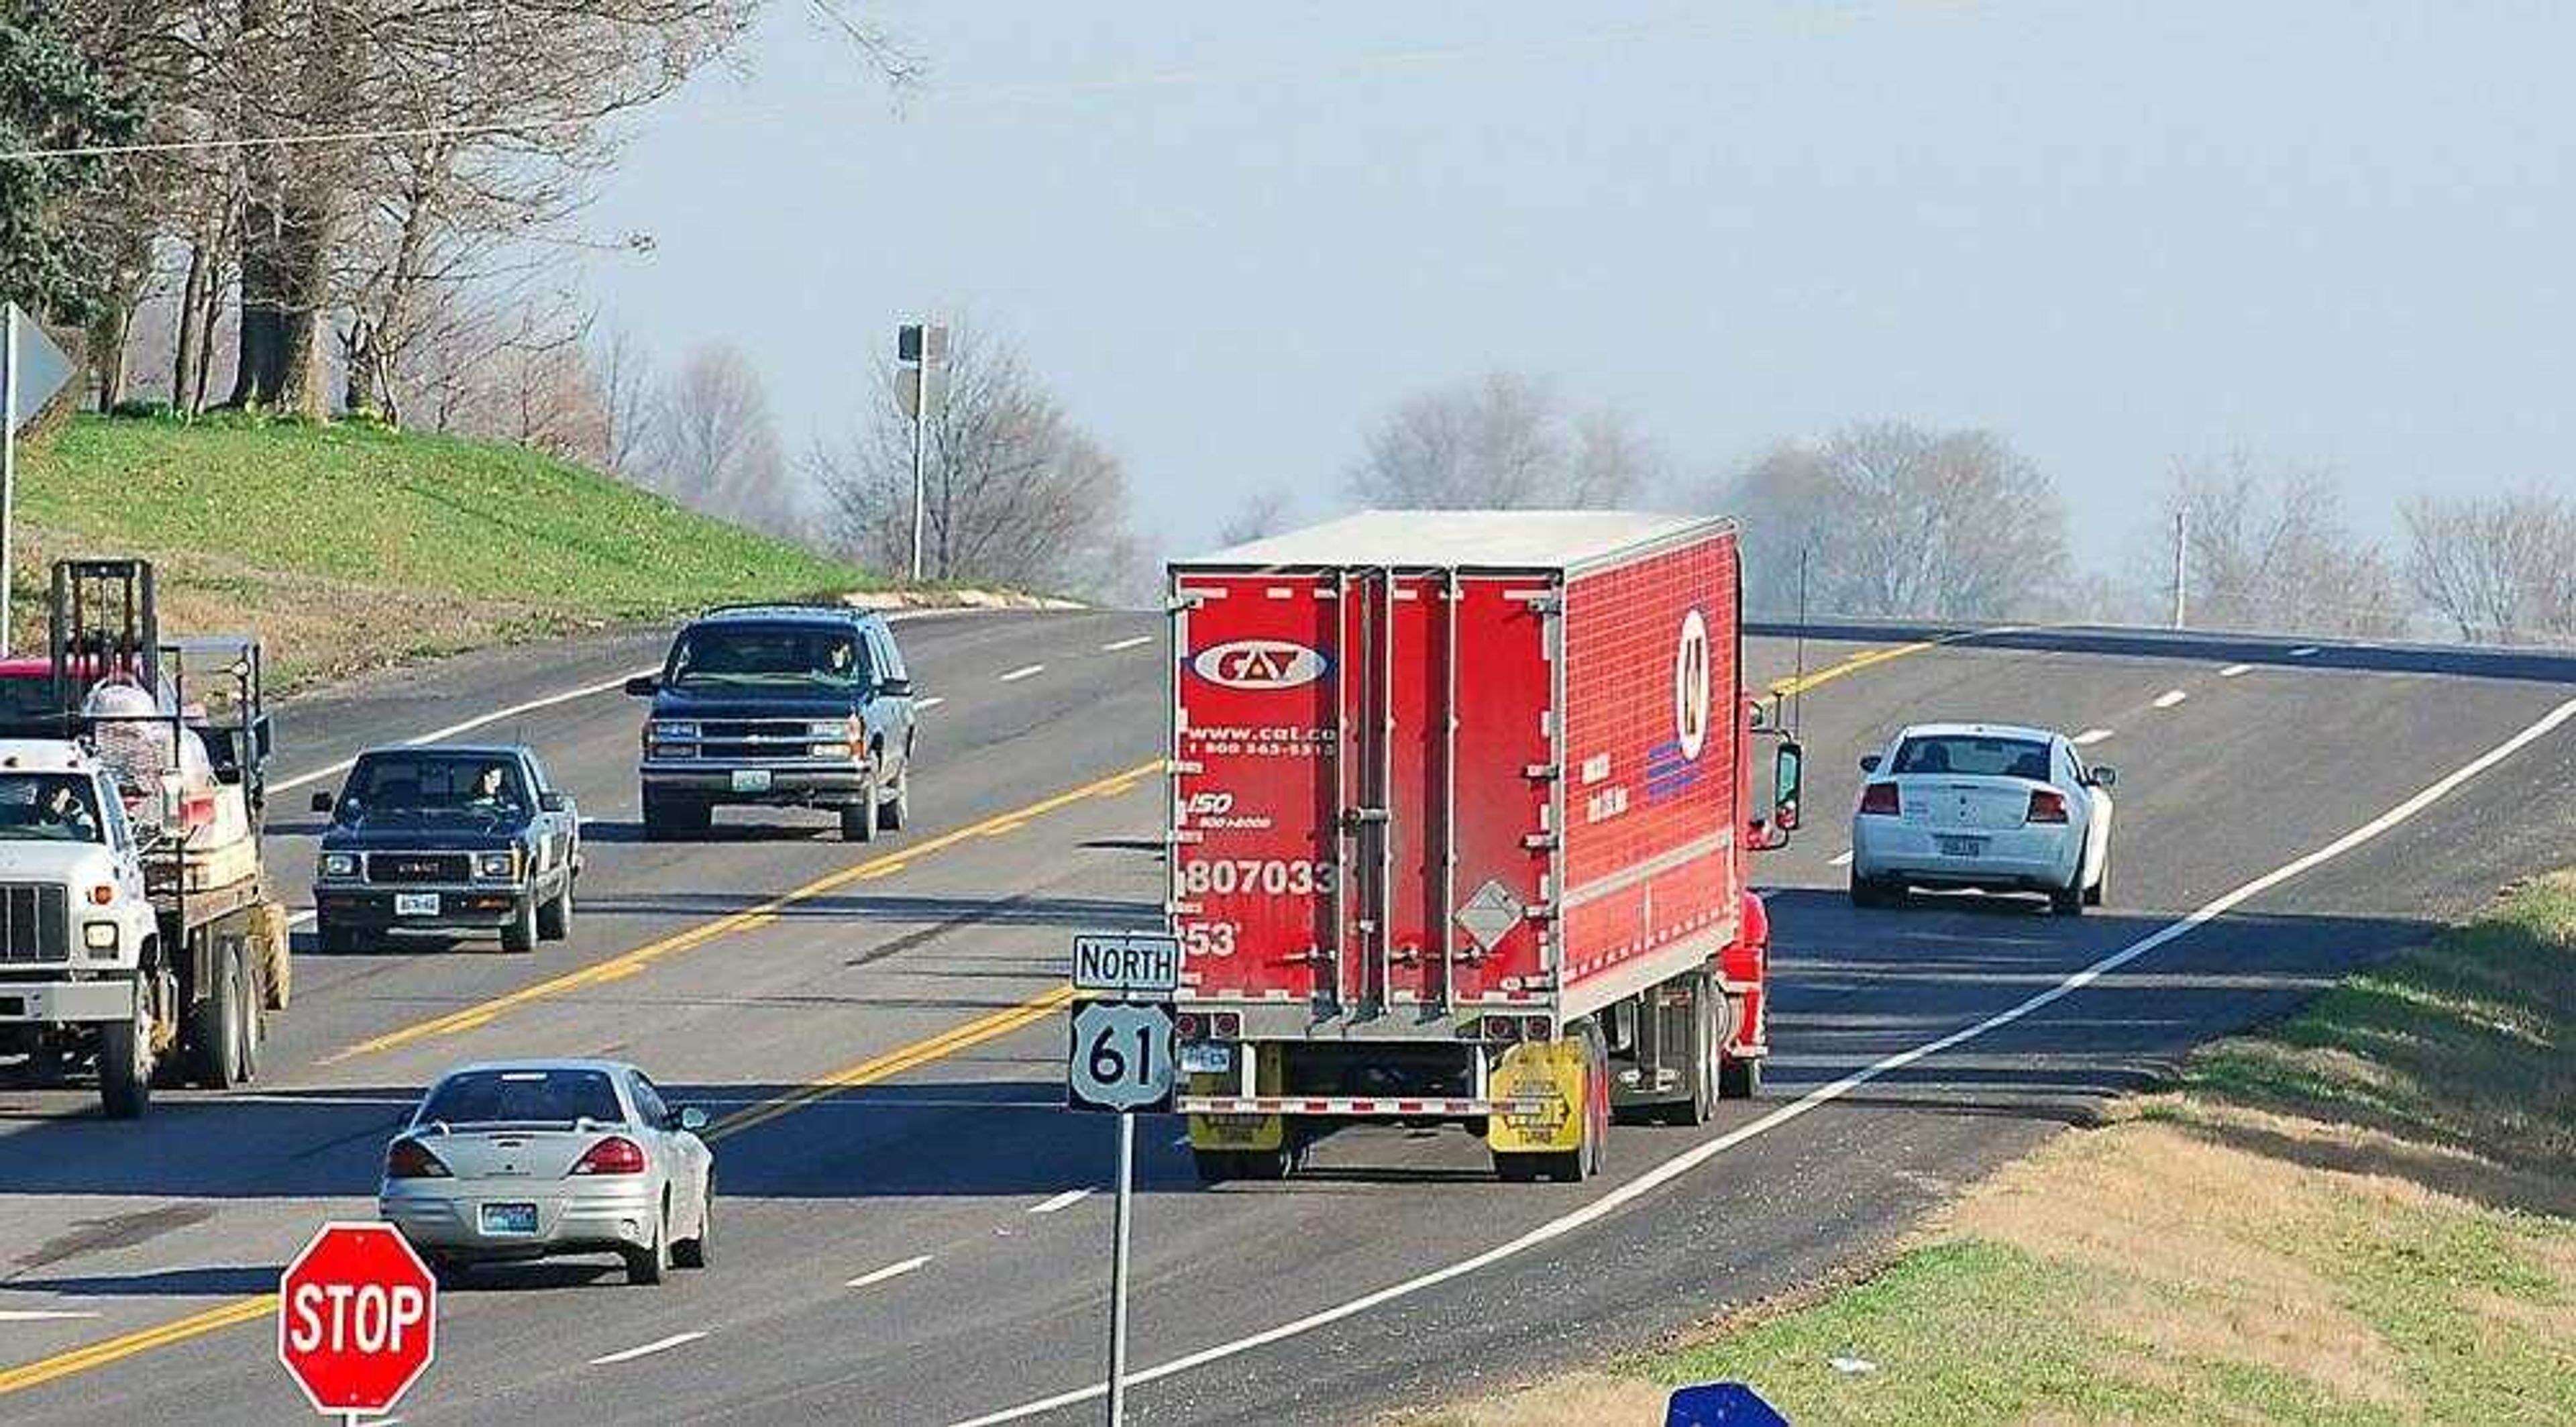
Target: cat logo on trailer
[[1259, 664]]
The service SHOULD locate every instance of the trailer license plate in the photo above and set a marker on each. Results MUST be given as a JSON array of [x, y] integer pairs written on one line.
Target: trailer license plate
[[1963, 846], [751, 780], [415, 904], [509, 1218], [1206, 1059]]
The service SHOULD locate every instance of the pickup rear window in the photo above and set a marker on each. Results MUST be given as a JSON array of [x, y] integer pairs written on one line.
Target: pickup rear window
[[717, 655]]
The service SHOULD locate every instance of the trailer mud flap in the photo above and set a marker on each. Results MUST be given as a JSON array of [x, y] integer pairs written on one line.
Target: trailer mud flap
[[1554, 1075], [1241, 1132]]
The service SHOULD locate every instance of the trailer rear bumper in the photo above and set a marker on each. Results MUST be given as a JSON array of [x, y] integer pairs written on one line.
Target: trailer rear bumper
[[1358, 1106], [66, 1002]]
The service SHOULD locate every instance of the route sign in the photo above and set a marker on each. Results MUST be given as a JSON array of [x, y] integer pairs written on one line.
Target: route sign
[[1142, 967], [357, 1319], [1122, 1057], [1720, 1404]]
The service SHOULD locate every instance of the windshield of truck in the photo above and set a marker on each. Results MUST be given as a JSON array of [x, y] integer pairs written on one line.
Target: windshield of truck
[[428, 787], [522, 1097], [49, 807], [1967, 753], [773, 655]]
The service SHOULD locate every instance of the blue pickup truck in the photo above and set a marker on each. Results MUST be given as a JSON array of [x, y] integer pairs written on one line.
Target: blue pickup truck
[[778, 706]]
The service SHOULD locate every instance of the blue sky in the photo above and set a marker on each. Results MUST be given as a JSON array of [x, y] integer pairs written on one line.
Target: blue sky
[[1228, 235]]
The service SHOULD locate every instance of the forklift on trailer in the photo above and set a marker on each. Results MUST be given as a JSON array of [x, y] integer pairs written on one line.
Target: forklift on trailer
[[180, 948]]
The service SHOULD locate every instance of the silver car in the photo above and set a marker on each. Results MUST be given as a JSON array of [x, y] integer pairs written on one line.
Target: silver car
[[518, 1160]]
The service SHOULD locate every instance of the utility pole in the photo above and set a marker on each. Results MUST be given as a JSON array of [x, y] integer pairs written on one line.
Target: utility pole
[[2182, 529], [920, 349]]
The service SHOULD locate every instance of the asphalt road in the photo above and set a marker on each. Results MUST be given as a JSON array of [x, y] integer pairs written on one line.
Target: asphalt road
[[903, 1233]]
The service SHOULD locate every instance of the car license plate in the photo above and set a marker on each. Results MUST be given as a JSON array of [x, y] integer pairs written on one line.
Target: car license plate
[[1206, 1059], [1962, 846], [415, 904], [509, 1218], [751, 780]]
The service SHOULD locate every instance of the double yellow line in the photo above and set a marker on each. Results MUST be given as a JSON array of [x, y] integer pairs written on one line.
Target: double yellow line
[[1853, 665], [875, 1068]]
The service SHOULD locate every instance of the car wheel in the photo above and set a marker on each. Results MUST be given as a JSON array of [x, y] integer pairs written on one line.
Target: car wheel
[[333, 941], [519, 934], [2068, 901], [2101, 887], [692, 1253], [554, 918], [1870, 892], [649, 1265]]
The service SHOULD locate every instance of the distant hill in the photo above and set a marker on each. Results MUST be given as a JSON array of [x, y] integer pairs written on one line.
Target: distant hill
[[349, 546]]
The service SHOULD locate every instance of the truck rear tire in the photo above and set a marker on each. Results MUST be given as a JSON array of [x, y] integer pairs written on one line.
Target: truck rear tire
[[1708, 1052], [211, 1030], [124, 1070], [1739, 1079], [669, 817]]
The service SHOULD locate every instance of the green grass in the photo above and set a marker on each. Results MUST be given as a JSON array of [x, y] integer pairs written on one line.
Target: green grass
[[477, 539], [2359, 1214]]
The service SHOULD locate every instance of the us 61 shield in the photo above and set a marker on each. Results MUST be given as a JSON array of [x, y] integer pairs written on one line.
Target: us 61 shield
[[1121, 1057]]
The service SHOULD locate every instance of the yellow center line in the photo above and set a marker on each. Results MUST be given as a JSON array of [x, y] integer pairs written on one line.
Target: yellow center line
[[628, 963], [1852, 665], [100, 1354]]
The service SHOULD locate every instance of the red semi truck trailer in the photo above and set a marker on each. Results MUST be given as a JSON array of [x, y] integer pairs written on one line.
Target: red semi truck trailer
[[1460, 835]]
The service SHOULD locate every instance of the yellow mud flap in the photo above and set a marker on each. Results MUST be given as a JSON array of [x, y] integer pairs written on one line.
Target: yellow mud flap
[[1552, 1072], [1240, 1132]]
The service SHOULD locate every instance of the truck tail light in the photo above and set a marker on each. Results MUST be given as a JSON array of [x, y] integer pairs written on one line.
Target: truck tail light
[[2047, 805], [1228, 1024], [410, 1159], [1186, 1025], [613, 1155], [1878, 800], [1537, 1028]]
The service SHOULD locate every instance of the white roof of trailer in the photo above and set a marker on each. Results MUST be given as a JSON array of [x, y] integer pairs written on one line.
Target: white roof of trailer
[[1509, 539]]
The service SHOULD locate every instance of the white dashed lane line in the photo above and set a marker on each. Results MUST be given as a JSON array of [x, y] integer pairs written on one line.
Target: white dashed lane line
[[2304, 651], [2090, 737], [2170, 697], [40, 1315], [1066, 1200], [1023, 672], [892, 1270], [926, 705], [1840, 859], [658, 1345], [1116, 645], [2232, 670]]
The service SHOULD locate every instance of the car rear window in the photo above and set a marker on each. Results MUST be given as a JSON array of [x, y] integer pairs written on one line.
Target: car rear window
[[523, 1097], [1973, 754]]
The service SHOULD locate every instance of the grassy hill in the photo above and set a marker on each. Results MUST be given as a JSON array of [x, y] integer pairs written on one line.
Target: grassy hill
[[349, 546]]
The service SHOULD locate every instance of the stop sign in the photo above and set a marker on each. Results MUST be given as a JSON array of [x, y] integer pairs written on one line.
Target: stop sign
[[357, 1318]]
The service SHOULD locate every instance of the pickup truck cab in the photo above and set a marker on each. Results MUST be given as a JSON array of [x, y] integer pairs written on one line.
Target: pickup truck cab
[[447, 838], [778, 706]]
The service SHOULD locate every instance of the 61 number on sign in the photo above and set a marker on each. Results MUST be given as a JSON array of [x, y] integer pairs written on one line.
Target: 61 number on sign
[[1122, 1057]]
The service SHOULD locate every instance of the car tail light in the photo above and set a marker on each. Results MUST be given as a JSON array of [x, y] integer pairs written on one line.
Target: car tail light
[[2047, 805], [410, 1159], [613, 1155], [1878, 800]]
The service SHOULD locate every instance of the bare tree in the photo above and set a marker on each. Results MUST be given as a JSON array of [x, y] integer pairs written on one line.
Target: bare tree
[[2268, 549], [719, 450], [1018, 495], [1264, 514], [2502, 569], [1897, 520], [625, 375], [1500, 440]]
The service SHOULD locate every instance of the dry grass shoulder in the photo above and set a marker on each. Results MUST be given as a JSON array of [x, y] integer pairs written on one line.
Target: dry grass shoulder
[[2361, 1214]]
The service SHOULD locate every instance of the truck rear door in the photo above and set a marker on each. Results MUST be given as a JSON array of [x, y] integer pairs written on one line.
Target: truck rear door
[[1364, 792]]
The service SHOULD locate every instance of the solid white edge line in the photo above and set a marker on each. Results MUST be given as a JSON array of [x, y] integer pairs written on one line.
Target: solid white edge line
[[1840, 859], [40, 1315], [1066, 1200], [2089, 737], [2171, 697], [1690, 1159], [926, 705], [2233, 670], [892, 1270], [471, 724], [658, 1345], [1023, 672]]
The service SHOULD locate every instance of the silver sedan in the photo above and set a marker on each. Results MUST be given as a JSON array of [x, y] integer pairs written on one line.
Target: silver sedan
[[518, 1160]]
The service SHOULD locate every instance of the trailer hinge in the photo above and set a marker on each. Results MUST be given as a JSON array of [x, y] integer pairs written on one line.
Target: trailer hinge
[[1353, 819], [1543, 772], [1540, 842], [1539, 912]]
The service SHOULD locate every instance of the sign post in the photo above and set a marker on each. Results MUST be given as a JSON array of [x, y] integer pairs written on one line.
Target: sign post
[[357, 1320], [1121, 1062], [920, 348], [32, 369]]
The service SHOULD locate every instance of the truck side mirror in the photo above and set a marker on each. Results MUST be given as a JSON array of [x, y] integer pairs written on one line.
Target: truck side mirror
[[896, 688], [551, 802], [644, 686], [2103, 777], [322, 802], [1869, 763], [1788, 772]]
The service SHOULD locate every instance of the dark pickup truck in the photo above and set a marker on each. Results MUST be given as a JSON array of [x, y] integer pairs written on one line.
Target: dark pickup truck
[[779, 706], [448, 839]]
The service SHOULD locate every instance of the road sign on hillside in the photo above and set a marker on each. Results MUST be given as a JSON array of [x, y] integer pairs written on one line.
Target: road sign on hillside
[[357, 1319]]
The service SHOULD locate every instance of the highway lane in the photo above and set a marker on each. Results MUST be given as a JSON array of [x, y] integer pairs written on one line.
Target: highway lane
[[947, 1159]]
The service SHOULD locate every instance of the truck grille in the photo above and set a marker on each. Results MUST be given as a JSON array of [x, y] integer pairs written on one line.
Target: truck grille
[[755, 740], [419, 867], [35, 924]]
